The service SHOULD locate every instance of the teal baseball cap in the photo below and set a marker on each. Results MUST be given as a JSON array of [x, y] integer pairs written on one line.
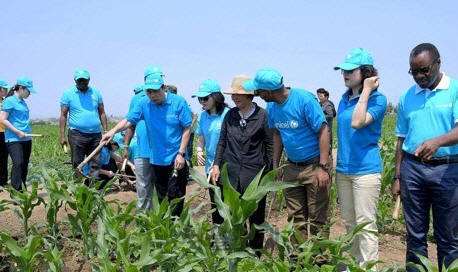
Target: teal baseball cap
[[153, 69], [81, 73], [153, 82], [207, 87], [266, 79], [3, 84], [355, 59], [27, 83], [138, 88]]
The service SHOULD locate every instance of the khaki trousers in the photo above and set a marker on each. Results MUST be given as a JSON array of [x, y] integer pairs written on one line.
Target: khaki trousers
[[306, 203]]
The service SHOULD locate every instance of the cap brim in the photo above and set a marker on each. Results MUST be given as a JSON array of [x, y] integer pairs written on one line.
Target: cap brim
[[249, 85], [76, 78], [201, 94], [6, 86], [32, 90], [152, 87], [346, 66]]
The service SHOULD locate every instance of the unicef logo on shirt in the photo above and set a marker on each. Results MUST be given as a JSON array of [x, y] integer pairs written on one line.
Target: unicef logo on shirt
[[293, 124]]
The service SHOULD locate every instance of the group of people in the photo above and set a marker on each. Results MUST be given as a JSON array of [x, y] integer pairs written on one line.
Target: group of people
[[249, 138]]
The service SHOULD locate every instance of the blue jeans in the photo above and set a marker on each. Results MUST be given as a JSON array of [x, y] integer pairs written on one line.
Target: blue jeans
[[425, 187], [143, 169]]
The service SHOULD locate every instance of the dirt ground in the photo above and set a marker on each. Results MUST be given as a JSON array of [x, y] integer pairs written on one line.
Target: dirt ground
[[391, 247]]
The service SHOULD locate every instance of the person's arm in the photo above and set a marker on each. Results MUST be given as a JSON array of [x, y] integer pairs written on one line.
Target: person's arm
[[361, 117], [322, 176], [328, 111], [200, 150], [127, 138], [428, 148], [397, 167], [123, 124], [103, 117], [63, 124], [278, 148], [179, 160], [4, 120]]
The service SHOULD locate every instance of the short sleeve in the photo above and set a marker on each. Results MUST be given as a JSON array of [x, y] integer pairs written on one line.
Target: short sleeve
[[135, 114], [270, 116], [185, 113], [7, 105], [376, 106], [64, 100], [314, 115], [401, 122], [199, 125]]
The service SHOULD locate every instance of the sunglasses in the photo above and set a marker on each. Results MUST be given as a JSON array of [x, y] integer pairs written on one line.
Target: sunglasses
[[348, 72], [423, 70], [204, 99]]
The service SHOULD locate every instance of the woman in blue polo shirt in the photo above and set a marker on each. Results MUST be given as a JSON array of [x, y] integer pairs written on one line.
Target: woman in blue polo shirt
[[209, 128], [4, 87], [359, 164], [15, 117]]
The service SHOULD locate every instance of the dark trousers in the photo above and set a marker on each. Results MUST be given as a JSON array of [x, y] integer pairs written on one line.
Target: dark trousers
[[3, 160], [190, 149], [82, 144], [425, 187], [20, 155], [257, 218], [168, 185]]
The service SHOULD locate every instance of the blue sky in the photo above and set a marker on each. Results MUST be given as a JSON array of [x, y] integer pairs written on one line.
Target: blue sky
[[196, 40]]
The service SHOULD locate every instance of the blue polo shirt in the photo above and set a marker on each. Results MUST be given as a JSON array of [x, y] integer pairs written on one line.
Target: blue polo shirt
[[298, 120], [83, 109], [143, 149], [358, 152], [425, 114], [164, 124], [18, 117], [209, 126]]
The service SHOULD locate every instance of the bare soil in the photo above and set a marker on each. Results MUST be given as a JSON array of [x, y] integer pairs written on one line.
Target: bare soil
[[392, 246]]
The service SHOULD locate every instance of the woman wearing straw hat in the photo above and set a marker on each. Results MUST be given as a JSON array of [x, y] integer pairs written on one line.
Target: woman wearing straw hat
[[15, 117], [209, 128], [246, 145], [3, 152], [359, 165]]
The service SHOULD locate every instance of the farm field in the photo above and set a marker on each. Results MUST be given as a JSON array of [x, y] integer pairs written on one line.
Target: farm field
[[60, 226]]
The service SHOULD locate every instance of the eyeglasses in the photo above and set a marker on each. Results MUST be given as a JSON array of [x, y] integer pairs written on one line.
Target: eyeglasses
[[348, 72], [423, 70], [204, 99], [242, 123]]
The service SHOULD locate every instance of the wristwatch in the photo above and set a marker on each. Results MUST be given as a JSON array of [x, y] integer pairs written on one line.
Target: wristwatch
[[395, 177], [325, 166], [181, 154]]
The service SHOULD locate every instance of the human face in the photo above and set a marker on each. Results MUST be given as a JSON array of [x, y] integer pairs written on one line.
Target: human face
[[207, 102], [82, 84], [23, 92], [157, 96], [266, 95], [425, 70], [353, 79], [241, 100], [3, 92], [322, 97]]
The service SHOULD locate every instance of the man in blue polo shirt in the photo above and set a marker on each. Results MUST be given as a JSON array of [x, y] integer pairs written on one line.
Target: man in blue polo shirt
[[168, 125], [427, 157], [300, 127], [84, 106]]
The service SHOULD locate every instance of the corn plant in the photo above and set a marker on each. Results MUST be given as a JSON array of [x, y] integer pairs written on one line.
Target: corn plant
[[25, 257], [52, 204], [425, 262], [26, 201]]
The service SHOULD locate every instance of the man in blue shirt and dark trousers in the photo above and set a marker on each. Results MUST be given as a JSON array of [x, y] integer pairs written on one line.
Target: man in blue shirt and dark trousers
[[168, 124], [426, 174], [84, 106], [300, 127]]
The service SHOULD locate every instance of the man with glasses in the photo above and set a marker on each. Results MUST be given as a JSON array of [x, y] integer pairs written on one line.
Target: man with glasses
[[84, 106], [426, 174], [168, 124], [300, 127]]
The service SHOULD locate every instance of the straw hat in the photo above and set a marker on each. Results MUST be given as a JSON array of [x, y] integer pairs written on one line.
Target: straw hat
[[236, 86]]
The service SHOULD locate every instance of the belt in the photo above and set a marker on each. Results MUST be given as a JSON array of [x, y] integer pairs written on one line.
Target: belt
[[437, 161], [305, 163]]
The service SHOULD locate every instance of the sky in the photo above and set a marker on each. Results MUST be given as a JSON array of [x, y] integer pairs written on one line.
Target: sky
[[196, 40]]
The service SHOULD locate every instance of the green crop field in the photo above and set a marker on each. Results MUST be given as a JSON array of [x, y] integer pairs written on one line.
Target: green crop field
[[112, 235]]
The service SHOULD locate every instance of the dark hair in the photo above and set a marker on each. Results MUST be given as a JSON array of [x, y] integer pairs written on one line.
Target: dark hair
[[367, 71], [322, 91], [219, 102], [422, 47], [172, 88], [12, 90]]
